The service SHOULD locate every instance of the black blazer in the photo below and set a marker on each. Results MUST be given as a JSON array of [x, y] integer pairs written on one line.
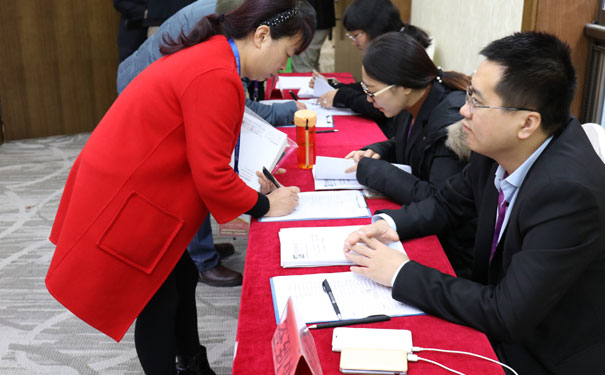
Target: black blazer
[[432, 164], [540, 301]]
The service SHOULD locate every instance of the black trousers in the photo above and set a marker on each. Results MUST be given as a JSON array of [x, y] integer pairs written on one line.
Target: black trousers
[[167, 326]]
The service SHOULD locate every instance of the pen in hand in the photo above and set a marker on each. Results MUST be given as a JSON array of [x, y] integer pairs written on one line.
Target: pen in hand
[[293, 95], [271, 178], [328, 290]]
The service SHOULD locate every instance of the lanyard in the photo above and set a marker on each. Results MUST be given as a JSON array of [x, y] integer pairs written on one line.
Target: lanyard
[[237, 63], [236, 54]]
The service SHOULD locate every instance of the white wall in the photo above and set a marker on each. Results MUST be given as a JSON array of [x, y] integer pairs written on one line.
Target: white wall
[[460, 28]]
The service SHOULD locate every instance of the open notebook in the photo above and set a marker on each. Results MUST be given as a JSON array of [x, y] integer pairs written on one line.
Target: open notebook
[[260, 145], [317, 246]]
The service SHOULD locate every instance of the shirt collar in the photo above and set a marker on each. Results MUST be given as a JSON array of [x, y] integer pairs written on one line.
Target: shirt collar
[[510, 184]]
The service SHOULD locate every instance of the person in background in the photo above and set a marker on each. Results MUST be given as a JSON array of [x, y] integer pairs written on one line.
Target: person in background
[[536, 184], [131, 31], [159, 11], [364, 21], [326, 19], [205, 253], [153, 168], [184, 20], [400, 79]]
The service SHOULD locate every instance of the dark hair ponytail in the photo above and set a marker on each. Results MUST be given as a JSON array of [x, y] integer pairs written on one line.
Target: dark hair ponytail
[[398, 59], [417, 33], [285, 18]]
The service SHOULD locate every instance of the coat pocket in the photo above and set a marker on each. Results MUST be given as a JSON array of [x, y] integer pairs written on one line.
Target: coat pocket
[[140, 233]]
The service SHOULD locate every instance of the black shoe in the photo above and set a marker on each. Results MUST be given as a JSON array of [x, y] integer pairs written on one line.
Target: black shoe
[[225, 250], [197, 365], [221, 276]]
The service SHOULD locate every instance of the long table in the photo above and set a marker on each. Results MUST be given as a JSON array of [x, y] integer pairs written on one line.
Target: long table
[[256, 316]]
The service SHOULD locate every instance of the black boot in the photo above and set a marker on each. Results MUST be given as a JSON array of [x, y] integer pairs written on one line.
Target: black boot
[[196, 365]]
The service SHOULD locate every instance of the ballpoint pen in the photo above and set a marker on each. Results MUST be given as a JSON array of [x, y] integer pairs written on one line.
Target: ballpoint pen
[[328, 290], [270, 177], [327, 131], [307, 144], [349, 322], [293, 95]]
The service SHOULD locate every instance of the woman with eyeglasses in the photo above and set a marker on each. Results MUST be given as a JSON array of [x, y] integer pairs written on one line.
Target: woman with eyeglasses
[[153, 168], [399, 79], [364, 21]]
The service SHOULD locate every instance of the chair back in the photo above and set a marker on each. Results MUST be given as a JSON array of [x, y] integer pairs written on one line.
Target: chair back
[[596, 135]]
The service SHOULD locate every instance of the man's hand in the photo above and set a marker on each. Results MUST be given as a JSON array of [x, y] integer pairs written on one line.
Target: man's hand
[[374, 259], [282, 201], [357, 155], [379, 230]]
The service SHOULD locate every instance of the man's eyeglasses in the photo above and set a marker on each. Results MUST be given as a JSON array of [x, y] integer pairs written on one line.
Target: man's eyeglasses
[[473, 104], [373, 95], [354, 37]]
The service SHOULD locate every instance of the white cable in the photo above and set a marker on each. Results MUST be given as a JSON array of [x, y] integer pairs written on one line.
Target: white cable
[[419, 349], [416, 358]]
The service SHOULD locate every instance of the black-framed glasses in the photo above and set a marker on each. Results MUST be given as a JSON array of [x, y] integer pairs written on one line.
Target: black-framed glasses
[[373, 95], [473, 104], [353, 37]]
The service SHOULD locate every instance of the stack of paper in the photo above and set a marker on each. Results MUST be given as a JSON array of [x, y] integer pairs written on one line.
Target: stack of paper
[[329, 173], [316, 246], [356, 296], [260, 145], [316, 205]]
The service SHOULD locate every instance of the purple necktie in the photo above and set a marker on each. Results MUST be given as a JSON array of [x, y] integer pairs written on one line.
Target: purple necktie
[[502, 204]]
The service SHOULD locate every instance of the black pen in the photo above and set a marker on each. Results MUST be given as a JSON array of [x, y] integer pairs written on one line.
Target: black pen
[[328, 290], [349, 322], [293, 95], [327, 131], [270, 177]]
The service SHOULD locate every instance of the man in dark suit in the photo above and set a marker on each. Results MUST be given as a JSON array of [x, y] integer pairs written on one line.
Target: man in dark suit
[[539, 268]]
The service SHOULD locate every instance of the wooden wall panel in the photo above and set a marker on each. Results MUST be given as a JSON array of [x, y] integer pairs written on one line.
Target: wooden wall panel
[[566, 19], [57, 65]]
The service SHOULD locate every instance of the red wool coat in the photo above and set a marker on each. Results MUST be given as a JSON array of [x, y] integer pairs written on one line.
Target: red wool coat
[[152, 169]]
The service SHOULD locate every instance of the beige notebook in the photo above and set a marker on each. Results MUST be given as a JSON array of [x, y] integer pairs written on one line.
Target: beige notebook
[[373, 361]]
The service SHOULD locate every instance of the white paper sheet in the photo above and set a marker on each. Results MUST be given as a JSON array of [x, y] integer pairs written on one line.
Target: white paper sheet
[[317, 246], [328, 167], [315, 205], [356, 296], [261, 145], [320, 87]]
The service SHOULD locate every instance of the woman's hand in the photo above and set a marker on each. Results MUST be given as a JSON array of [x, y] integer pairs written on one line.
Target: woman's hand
[[282, 201], [327, 99], [315, 75], [300, 105], [267, 186], [357, 155]]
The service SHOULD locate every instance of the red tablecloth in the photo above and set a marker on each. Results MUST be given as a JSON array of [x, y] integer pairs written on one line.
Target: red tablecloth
[[257, 319]]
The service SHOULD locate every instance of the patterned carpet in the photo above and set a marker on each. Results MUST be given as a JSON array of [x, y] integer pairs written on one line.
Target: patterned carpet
[[38, 335]]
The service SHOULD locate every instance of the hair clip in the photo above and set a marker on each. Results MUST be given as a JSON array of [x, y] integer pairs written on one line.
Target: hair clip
[[281, 17], [439, 76]]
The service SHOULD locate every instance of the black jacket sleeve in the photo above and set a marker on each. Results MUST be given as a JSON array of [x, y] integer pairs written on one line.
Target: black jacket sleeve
[[261, 207], [352, 96]]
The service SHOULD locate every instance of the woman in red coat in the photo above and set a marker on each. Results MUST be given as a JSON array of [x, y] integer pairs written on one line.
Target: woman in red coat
[[153, 168]]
